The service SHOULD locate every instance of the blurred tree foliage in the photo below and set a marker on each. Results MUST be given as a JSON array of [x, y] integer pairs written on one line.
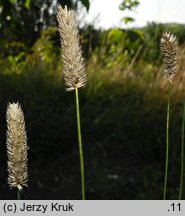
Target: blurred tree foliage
[[114, 48], [129, 5], [46, 50], [23, 20]]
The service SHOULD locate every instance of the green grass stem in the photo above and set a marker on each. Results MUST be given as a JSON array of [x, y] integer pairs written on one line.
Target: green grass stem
[[18, 194], [167, 141], [182, 155], [80, 144]]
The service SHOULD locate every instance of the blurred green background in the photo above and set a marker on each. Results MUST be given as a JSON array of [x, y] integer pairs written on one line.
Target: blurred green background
[[123, 107]]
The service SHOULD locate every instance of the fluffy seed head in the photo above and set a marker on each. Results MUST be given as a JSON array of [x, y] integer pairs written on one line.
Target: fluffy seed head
[[16, 147], [73, 62], [169, 52]]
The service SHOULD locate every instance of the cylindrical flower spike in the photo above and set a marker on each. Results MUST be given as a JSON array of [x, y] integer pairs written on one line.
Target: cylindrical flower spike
[[73, 62], [16, 147], [169, 51]]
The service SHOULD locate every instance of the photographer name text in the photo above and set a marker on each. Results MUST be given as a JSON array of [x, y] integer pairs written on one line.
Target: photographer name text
[[41, 208]]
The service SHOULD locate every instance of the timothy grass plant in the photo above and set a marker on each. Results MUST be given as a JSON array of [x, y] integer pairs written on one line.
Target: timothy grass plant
[[169, 48], [73, 68]]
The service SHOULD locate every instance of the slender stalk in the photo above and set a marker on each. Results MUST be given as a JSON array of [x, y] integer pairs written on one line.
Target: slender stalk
[[80, 144], [182, 155], [167, 141], [18, 194]]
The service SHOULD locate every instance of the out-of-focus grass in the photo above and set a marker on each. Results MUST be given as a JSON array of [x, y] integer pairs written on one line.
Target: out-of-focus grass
[[123, 128]]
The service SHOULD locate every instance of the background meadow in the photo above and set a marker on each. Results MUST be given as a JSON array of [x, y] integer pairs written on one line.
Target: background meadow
[[123, 107]]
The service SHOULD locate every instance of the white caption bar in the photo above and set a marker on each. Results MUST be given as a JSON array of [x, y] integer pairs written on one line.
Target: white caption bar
[[92, 208]]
